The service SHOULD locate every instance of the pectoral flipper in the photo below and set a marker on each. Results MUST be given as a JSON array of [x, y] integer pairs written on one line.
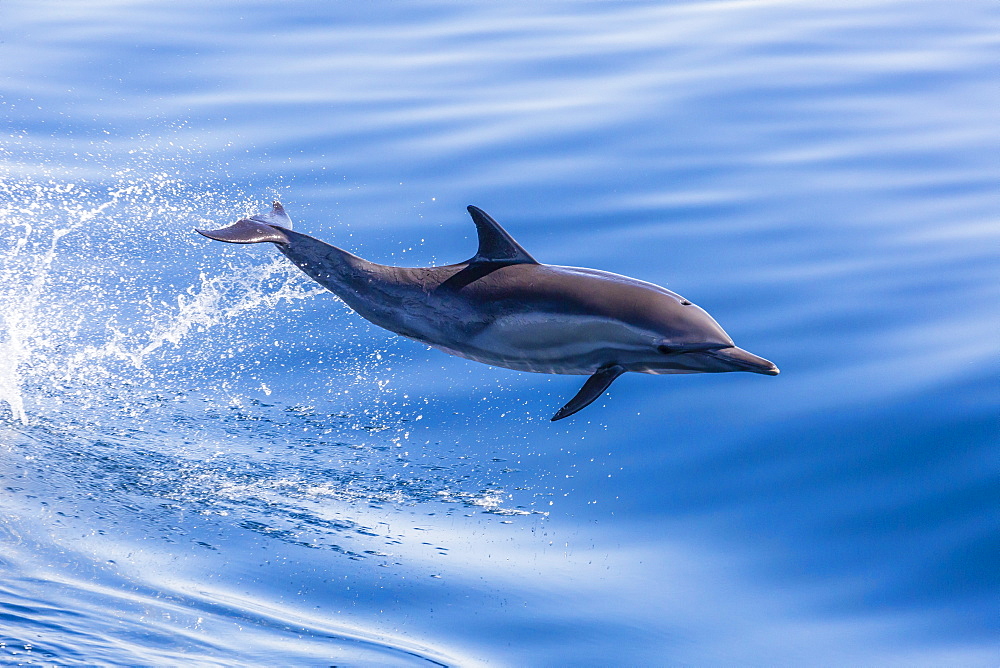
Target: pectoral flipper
[[593, 388]]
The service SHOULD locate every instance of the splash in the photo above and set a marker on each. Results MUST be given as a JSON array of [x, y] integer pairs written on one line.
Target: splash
[[118, 350], [215, 300], [82, 309]]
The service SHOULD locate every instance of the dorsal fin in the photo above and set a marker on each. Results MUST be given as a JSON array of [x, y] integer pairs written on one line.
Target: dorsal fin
[[495, 245]]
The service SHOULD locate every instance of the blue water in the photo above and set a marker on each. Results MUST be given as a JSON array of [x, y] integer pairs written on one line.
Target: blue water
[[204, 460]]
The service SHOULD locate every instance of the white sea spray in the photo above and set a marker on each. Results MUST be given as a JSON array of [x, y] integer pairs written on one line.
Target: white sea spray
[[80, 312]]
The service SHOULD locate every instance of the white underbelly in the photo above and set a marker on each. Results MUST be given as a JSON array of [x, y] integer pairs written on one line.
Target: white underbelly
[[547, 343]]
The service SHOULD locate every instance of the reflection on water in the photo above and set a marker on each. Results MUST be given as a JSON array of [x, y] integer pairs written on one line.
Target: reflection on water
[[52, 615], [204, 458]]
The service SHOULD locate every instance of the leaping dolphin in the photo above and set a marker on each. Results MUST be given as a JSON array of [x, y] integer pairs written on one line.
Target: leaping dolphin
[[502, 307]]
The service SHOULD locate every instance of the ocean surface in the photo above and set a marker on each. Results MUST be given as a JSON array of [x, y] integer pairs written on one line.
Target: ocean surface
[[207, 460]]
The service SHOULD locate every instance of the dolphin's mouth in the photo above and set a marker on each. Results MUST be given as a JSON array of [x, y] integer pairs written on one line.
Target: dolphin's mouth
[[741, 360]]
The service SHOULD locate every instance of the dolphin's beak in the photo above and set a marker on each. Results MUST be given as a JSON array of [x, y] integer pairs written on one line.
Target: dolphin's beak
[[740, 360]]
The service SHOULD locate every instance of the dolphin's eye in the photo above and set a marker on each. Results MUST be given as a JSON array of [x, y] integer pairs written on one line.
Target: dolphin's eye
[[665, 349]]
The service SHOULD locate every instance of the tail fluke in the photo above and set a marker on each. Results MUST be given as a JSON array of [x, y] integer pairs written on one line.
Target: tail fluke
[[276, 216], [255, 229]]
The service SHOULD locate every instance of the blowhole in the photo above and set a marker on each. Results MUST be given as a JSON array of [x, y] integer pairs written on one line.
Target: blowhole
[[685, 302]]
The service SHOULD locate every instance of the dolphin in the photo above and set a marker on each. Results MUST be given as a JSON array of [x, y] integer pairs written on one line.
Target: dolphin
[[504, 308]]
